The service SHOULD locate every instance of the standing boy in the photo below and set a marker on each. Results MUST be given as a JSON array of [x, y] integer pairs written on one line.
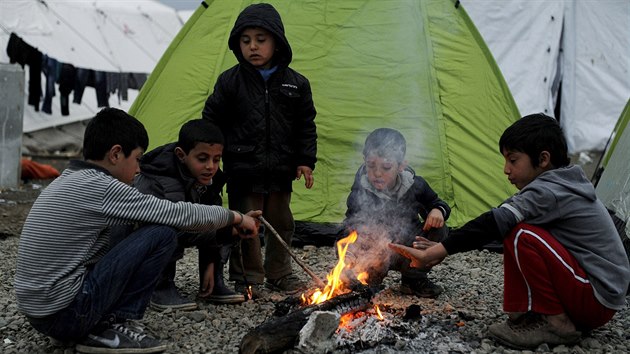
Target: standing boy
[[69, 284], [188, 170], [386, 204], [565, 269], [265, 110]]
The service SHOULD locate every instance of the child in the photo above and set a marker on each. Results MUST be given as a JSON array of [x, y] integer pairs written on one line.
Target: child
[[385, 204], [565, 269], [265, 111], [68, 283], [188, 170]]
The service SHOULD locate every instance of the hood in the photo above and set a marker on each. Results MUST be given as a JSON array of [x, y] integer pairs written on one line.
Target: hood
[[573, 179], [159, 161], [404, 181], [264, 16]]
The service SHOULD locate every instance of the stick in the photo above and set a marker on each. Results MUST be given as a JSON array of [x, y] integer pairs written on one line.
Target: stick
[[319, 282]]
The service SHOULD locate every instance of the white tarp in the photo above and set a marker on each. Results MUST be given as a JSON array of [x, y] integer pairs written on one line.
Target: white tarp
[[584, 45], [121, 36]]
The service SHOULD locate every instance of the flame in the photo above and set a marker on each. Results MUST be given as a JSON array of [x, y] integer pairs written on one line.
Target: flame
[[250, 295], [335, 285], [363, 277], [379, 315]]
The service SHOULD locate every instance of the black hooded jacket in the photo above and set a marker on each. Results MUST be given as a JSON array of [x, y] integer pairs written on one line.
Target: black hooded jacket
[[165, 177], [269, 127], [397, 214]]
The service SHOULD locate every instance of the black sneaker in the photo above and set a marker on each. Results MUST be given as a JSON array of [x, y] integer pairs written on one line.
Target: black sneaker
[[120, 338], [421, 288], [223, 295], [170, 298], [289, 284]]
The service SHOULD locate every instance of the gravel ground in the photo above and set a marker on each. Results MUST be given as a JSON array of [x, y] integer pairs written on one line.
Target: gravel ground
[[455, 322]]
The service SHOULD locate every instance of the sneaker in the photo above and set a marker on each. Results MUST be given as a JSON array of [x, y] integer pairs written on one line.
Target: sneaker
[[223, 295], [170, 298], [120, 338], [421, 288], [289, 284], [255, 290], [60, 343], [529, 331]]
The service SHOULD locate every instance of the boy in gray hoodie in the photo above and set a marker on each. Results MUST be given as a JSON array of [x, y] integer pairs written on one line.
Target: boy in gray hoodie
[[565, 269]]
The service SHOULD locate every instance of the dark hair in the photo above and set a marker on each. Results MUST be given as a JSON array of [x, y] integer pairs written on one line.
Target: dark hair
[[385, 142], [534, 134], [112, 126], [198, 131]]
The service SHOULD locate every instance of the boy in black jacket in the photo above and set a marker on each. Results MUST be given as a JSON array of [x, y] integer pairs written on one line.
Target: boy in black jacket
[[385, 204], [188, 170], [265, 110]]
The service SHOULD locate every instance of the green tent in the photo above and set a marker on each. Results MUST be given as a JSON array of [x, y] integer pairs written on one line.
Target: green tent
[[612, 178], [417, 66]]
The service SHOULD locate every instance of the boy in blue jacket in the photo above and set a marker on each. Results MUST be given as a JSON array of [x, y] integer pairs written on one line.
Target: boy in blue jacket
[[565, 269]]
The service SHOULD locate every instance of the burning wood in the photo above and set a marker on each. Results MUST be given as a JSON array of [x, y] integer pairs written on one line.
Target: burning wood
[[336, 296], [281, 333]]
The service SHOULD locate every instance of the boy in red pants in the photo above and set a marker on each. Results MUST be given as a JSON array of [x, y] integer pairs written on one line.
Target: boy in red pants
[[565, 269]]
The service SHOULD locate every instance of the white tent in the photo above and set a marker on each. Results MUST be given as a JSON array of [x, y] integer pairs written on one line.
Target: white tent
[[573, 52], [116, 36]]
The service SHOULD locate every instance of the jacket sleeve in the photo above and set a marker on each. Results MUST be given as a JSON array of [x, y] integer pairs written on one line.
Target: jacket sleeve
[[148, 185], [473, 235], [215, 107], [306, 132], [430, 199]]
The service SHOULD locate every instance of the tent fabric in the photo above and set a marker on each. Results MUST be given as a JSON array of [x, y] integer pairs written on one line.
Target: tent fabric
[[613, 187], [115, 36], [571, 54], [100, 35], [417, 66]]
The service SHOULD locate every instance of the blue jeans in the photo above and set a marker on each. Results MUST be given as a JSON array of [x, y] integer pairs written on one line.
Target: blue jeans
[[120, 284]]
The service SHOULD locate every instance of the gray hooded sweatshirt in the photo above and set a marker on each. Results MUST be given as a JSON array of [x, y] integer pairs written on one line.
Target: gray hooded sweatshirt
[[563, 201]]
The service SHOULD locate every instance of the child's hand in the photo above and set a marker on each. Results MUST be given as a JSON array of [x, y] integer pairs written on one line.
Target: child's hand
[[247, 224], [423, 259], [422, 243], [411, 253], [435, 219], [308, 175], [208, 281]]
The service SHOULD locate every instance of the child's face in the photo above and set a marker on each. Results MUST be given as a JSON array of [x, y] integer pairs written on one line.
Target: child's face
[[519, 168], [202, 161], [126, 167], [258, 46], [382, 172]]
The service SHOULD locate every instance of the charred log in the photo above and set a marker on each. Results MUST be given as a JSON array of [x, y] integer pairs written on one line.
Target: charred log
[[281, 333]]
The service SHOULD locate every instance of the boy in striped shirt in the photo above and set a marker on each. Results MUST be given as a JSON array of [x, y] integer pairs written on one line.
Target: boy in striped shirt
[[69, 284]]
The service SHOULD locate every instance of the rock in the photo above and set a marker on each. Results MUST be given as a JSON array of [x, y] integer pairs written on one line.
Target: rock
[[316, 335]]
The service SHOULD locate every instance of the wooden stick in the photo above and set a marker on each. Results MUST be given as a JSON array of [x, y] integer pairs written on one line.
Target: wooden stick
[[319, 282]]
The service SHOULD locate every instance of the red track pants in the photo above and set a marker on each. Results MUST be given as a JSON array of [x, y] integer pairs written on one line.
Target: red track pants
[[540, 275]]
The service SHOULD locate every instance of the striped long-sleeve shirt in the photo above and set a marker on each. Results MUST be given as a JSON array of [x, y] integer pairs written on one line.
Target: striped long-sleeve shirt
[[67, 230]]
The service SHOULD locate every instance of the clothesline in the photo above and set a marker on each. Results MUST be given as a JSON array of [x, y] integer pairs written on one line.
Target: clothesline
[[70, 79]]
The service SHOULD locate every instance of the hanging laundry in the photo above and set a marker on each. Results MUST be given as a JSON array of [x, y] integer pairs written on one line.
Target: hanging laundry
[[24, 54], [67, 81]]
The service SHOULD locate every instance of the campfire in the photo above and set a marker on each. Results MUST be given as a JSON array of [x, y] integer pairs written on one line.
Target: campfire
[[336, 286], [352, 302]]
